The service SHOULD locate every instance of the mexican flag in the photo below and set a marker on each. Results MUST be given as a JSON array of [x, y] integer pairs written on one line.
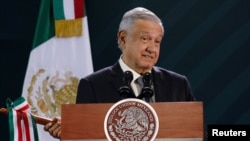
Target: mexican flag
[[59, 58]]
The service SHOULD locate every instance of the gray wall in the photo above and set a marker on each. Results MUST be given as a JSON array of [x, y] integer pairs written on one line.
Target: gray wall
[[206, 40]]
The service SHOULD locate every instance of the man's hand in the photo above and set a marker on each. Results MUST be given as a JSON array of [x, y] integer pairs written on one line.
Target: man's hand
[[54, 128]]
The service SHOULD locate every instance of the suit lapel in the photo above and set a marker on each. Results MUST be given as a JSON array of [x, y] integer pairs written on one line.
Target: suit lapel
[[159, 90], [116, 76]]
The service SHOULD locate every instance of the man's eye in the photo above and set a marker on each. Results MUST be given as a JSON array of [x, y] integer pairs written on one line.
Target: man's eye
[[145, 38], [158, 42]]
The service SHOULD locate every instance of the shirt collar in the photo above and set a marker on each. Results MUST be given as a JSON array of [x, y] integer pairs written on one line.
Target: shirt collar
[[125, 67]]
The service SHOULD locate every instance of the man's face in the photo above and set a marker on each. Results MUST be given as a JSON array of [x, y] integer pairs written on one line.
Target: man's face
[[141, 45]]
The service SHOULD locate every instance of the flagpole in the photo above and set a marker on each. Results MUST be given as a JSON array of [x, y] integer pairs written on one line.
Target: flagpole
[[39, 119]]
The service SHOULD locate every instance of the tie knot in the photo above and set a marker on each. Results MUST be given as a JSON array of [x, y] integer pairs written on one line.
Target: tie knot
[[139, 81]]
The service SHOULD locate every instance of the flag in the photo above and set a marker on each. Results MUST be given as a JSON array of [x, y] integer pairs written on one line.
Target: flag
[[60, 56], [22, 125]]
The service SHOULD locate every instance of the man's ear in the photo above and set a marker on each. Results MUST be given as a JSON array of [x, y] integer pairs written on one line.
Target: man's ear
[[122, 37]]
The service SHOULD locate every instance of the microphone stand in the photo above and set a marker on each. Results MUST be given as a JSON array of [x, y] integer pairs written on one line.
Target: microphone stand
[[125, 91], [147, 91]]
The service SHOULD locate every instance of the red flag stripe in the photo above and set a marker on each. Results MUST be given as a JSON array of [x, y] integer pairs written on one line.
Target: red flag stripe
[[23, 108], [79, 8], [19, 126], [26, 125]]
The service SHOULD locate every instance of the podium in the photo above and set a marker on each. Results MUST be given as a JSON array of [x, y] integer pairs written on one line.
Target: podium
[[178, 121]]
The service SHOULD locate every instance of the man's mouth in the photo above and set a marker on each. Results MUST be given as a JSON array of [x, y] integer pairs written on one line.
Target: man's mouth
[[148, 56]]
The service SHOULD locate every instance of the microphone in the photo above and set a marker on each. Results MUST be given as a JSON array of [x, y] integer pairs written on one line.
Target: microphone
[[147, 91], [125, 91]]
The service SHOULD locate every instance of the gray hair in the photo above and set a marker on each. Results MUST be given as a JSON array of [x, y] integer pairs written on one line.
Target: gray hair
[[131, 16]]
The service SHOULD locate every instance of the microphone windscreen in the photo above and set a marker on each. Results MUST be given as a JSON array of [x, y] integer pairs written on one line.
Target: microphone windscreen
[[147, 79], [128, 77]]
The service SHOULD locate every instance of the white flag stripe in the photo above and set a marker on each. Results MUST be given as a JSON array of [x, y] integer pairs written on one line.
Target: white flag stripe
[[15, 125], [32, 134], [54, 55], [21, 105], [76, 48], [69, 10]]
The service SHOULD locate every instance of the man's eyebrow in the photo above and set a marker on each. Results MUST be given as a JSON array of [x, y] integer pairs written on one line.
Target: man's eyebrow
[[149, 33], [145, 32]]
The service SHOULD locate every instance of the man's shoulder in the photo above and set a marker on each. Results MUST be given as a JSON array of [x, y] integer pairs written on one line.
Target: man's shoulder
[[167, 72], [100, 72], [104, 72]]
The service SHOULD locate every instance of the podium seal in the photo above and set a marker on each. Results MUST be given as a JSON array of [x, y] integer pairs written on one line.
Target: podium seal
[[131, 120]]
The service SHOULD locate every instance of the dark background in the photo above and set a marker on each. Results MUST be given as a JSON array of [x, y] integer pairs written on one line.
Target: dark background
[[206, 40]]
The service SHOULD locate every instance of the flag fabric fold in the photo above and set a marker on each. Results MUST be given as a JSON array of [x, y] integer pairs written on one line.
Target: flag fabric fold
[[57, 62], [22, 125]]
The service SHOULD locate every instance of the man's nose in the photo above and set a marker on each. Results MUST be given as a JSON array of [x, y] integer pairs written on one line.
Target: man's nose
[[151, 47]]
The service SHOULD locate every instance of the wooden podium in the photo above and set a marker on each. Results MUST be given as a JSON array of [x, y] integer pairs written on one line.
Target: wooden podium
[[177, 121]]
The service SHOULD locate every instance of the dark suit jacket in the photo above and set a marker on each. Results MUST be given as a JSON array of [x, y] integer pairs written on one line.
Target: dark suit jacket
[[103, 86]]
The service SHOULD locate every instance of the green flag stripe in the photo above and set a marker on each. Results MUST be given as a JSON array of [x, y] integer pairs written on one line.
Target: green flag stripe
[[58, 9], [11, 122], [45, 28], [36, 137], [11, 125], [18, 101]]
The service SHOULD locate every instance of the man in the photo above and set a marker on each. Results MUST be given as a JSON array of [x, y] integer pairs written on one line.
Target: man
[[139, 38]]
